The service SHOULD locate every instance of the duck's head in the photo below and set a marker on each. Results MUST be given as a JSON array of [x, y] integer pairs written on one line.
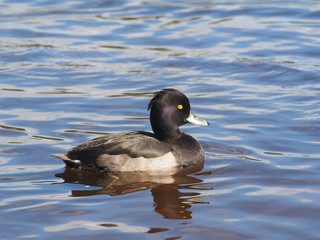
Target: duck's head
[[170, 109]]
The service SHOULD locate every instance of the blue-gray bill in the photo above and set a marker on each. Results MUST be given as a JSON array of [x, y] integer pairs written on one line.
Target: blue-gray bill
[[197, 121]]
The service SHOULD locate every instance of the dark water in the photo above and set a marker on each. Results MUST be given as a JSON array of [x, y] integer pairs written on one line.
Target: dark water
[[72, 70]]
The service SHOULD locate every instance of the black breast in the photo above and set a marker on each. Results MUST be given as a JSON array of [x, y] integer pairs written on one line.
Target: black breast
[[187, 149]]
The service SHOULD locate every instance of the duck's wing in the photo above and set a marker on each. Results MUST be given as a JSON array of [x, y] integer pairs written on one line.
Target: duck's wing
[[130, 144]]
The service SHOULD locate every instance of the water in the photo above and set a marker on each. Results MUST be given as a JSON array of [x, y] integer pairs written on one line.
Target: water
[[73, 70]]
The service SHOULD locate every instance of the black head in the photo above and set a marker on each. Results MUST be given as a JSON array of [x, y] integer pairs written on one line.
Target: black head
[[170, 109]]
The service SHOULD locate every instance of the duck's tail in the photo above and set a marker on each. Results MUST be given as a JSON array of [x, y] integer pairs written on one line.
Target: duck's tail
[[69, 162]]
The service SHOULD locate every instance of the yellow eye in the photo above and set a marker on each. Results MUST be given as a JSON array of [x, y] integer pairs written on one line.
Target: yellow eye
[[180, 106]]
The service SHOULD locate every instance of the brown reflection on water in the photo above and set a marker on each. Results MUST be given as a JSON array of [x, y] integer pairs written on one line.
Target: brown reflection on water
[[173, 194]]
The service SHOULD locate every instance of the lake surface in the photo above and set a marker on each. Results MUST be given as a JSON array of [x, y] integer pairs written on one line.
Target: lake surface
[[74, 70]]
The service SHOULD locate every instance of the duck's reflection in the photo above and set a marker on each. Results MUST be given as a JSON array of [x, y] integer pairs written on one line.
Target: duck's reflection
[[165, 187]]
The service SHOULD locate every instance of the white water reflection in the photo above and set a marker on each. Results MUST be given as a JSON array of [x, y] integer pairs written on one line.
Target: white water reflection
[[96, 226]]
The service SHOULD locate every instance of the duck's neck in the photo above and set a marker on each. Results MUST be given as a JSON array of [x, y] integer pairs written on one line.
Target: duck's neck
[[163, 128], [163, 133]]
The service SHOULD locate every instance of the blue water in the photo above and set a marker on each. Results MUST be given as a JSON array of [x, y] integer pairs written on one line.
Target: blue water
[[73, 70]]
